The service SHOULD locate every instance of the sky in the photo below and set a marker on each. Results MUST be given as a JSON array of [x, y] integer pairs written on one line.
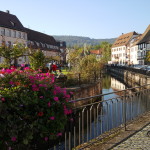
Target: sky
[[96, 19]]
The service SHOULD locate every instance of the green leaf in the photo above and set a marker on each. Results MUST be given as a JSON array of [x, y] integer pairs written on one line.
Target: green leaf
[[25, 141]]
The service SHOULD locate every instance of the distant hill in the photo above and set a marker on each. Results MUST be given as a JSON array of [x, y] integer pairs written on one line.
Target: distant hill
[[79, 40]]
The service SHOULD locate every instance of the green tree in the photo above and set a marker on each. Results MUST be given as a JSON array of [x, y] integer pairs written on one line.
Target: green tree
[[11, 54], [106, 51], [37, 59], [147, 58]]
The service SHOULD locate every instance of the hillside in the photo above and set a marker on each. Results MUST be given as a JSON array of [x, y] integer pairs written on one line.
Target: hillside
[[79, 40]]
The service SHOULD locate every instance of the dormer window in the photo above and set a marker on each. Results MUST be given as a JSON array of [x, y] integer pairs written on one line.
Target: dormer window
[[13, 24]]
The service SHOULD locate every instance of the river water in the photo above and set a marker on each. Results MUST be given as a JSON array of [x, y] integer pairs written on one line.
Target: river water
[[92, 121]]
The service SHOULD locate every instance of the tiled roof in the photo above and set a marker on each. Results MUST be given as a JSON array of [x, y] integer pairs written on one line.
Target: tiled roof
[[40, 37], [145, 36], [10, 21], [123, 39], [97, 52], [136, 39], [40, 40]]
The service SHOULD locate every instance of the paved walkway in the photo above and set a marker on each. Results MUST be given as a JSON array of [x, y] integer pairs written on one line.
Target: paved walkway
[[135, 138], [139, 141]]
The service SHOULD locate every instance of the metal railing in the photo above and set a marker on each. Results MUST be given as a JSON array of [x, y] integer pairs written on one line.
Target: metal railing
[[102, 113], [78, 79]]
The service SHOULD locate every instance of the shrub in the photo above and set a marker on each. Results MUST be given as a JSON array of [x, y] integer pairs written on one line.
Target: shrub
[[32, 108]]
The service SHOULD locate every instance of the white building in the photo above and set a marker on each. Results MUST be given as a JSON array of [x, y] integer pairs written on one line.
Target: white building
[[11, 31], [144, 46], [121, 50], [133, 50]]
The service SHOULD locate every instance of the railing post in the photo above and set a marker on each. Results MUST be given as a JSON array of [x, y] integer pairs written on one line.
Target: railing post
[[79, 79], [100, 74], [125, 125], [95, 76]]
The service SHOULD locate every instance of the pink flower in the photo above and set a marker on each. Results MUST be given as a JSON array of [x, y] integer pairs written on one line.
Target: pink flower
[[67, 111], [49, 104], [71, 119], [22, 65], [13, 138], [35, 88], [67, 96], [26, 68], [41, 97], [56, 99], [71, 93], [46, 138], [54, 92], [59, 134], [52, 118], [11, 82], [3, 99]]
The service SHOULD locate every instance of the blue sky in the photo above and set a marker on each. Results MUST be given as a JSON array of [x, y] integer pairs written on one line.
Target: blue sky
[[89, 18]]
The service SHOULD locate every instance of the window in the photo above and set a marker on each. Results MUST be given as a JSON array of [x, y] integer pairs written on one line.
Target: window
[[23, 35], [2, 31], [9, 33], [14, 34], [19, 34], [13, 24]]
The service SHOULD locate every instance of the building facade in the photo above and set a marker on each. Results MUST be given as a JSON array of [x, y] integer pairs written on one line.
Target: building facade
[[143, 46], [12, 32], [62, 45], [121, 52], [46, 43]]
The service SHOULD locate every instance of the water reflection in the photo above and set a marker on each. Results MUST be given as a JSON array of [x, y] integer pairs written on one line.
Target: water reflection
[[93, 120]]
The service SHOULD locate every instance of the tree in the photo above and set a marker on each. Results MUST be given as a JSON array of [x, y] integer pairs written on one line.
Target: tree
[[37, 59], [74, 56], [147, 58], [106, 51], [11, 54]]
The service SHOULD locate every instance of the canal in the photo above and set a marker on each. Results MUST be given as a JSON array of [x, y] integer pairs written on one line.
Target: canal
[[114, 107]]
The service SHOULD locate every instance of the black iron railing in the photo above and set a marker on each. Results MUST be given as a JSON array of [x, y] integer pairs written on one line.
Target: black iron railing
[[103, 113]]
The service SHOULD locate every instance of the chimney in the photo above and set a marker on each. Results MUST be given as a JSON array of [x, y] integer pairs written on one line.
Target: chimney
[[7, 11]]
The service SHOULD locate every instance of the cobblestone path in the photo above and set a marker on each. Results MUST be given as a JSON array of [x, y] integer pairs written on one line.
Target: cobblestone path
[[139, 141]]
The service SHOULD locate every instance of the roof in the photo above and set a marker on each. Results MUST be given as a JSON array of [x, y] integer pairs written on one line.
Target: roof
[[40, 37], [40, 40], [10, 21], [145, 36], [97, 52], [136, 39], [123, 39]]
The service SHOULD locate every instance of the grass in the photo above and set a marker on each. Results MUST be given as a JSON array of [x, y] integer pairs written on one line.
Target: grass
[[65, 72]]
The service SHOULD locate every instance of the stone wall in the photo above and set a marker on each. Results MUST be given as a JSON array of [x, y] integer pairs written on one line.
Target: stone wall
[[130, 77], [86, 90]]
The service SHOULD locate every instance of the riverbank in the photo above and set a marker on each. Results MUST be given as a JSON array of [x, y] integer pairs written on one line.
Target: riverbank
[[118, 137]]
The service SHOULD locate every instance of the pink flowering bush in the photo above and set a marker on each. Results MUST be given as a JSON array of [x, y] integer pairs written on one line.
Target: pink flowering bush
[[32, 107]]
